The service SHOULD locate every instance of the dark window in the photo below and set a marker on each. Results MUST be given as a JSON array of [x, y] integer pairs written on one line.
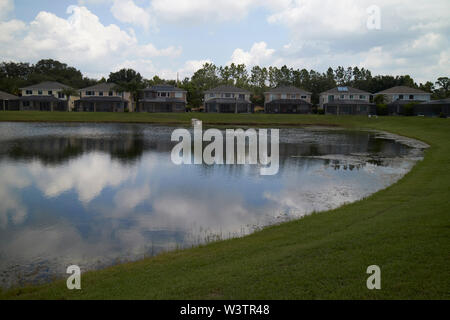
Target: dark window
[[400, 97], [26, 103], [411, 97], [100, 93], [29, 92], [60, 95], [242, 96], [39, 92], [50, 93], [110, 93]]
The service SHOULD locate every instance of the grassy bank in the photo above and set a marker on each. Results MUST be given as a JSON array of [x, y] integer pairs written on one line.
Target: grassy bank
[[404, 229]]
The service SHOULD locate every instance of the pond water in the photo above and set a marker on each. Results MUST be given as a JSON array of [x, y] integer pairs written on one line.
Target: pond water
[[96, 195]]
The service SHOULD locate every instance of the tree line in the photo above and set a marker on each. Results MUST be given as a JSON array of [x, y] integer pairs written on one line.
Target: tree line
[[257, 80]]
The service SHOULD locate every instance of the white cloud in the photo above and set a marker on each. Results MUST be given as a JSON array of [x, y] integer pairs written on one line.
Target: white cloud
[[6, 7], [80, 40], [128, 12], [259, 54]]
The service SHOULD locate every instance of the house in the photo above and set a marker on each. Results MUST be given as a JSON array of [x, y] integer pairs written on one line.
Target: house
[[347, 101], [287, 99], [228, 99], [103, 97], [163, 98], [45, 96], [397, 97], [8, 102], [433, 108]]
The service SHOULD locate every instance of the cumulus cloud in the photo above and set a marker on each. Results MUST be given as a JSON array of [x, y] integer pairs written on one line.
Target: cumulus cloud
[[81, 40], [259, 54], [127, 11], [6, 7]]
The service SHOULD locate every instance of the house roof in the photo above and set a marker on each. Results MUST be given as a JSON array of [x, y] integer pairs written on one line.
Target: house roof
[[7, 96], [403, 90], [352, 102], [289, 101], [227, 89], [443, 101], [164, 88], [162, 100], [227, 101], [288, 90], [346, 90], [47, 85], [101, 99], [104, 86], [40, 98]]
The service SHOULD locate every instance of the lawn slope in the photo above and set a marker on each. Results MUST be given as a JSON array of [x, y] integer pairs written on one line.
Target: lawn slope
[[404, 229]]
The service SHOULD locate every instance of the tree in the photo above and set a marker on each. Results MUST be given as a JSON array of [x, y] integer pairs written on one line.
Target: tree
[[69, 92], [134, 87], [125, 76], [443, 84]]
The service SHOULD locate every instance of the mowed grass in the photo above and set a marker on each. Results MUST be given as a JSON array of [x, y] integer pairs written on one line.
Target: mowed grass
[[404, 229]]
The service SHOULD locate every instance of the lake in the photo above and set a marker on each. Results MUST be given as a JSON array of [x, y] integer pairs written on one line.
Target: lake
[[95, 195]]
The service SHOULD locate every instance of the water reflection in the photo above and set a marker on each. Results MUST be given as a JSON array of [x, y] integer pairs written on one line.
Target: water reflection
[[93, 195]]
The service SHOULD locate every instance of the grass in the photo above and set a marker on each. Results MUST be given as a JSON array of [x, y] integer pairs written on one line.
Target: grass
[[404, 229]]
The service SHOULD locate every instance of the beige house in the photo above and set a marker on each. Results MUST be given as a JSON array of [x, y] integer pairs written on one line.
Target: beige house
[[228, 99], [46, 96], [347, 101], [403, 93], [163, 98], [8, 102], [103, 97], [287, 99]]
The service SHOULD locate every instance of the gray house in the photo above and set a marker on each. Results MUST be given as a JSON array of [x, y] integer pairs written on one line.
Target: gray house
[[162, 98], [102, 97], [45, 96], [398, 97], [347, 101], [8, 102], [433, 108], [228, 99], [287, 99]]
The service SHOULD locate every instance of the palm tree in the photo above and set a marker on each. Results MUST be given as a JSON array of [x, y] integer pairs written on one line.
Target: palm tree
[[133, 87], [69, 92]]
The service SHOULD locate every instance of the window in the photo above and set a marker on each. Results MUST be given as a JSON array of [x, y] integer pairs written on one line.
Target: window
[[304, 97], [60, 95], [242, 97], [411, 97], [351, 97], [26, 103], [100, 93], [283, 96], [293, 96], [40, 92], [211, 95], [178, 95], [400, 97], [362, 97], [29, 92], [227, 95], [50, 93], [342, 96], [110, 93]]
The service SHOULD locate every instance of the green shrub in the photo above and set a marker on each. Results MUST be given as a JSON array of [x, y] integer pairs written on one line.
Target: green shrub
[[382, 109], [408, 109], [321, 111]]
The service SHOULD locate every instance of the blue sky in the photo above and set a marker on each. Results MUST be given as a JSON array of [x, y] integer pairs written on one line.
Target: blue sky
[[167, 37]]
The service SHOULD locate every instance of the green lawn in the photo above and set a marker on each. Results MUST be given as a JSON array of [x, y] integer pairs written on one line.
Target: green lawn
[[404, 229]]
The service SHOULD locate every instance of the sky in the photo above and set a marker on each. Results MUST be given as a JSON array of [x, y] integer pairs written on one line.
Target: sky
[[170, 37]]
